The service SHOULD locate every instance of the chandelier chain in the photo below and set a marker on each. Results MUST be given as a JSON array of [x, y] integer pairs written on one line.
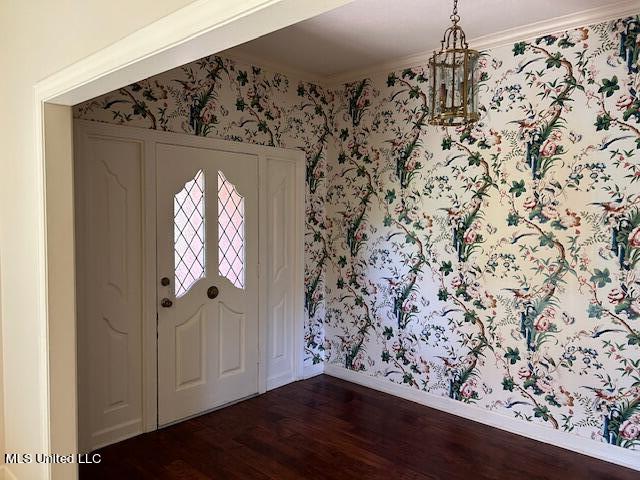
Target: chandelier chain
[[455, 18]]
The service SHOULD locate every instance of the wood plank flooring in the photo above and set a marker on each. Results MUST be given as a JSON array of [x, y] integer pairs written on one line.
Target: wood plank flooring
[[325, 428]]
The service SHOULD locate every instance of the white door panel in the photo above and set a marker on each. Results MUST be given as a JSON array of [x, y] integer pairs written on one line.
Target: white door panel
[[207, 237]]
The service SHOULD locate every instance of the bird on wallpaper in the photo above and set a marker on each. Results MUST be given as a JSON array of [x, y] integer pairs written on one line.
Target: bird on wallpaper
[[611, 208], [447, 362], [520, 292], [606, 141]]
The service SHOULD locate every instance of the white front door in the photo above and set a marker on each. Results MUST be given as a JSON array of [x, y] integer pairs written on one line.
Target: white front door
[[207, 248]]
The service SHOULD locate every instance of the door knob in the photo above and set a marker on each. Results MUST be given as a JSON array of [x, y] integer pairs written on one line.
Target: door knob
[[212, 292], [166, 303]]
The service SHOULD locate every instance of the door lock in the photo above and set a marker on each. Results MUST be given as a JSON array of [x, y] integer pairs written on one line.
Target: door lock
[[164, 281], [212, 292], [166, 303]]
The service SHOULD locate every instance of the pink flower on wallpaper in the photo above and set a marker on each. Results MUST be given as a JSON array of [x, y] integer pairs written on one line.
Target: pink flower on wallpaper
[[468, 388], [524, 373], [548, 148], [634, 238], [457, 281], [624, 101], [470, 236], [630, 430], [551, 212], [616, 295], [542, 324], [545, 384], [530, 203]]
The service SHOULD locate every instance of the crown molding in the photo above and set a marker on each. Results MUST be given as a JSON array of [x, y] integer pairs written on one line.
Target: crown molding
[[505, 37]]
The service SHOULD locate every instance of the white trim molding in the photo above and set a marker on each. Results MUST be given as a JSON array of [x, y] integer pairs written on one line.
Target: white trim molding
[[505, 37], [568, 441]]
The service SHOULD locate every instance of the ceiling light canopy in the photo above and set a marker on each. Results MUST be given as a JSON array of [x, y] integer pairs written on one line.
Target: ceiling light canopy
[[454, 85]]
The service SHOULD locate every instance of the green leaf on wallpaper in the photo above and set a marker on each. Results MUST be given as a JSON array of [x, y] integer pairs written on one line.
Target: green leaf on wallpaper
[[517, 188], [541, 412], [508, 384], [242, 77], [446, 268], [407, 378], [408, 73], [512, 220], [262, 126], [513, 355], [601, 277], [344, 134], [594, 310], [551, 399], [390, 196], [340, 283], [411, 238], [555, 61], [387, 221], [443, 295], [603, 122], [446, 143], [391, 80], [609, 86], [301, 90], [388, 333], [470, 316], [385, 356], [546, 240], [519, 48], [414, 92], [240, 105], [342, 261], [474, 159], [342, 157], [634, 338]]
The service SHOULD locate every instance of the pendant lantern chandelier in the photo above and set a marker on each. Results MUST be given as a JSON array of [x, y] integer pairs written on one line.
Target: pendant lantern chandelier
[[454, 86]]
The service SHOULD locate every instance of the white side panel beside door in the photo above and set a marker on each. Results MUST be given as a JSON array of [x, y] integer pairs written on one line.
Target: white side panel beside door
[[110, 289], [280, 270]]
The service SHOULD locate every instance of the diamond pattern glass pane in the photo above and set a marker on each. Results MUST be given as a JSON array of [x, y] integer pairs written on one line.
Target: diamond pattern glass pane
[[230, 232], [188, 234]]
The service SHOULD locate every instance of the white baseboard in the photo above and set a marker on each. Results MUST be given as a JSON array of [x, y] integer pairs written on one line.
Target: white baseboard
[[280, 380], [602, 451], [312, 370]]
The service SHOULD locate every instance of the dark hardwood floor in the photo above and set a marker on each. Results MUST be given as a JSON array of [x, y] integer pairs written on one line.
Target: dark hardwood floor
[[325, 428]]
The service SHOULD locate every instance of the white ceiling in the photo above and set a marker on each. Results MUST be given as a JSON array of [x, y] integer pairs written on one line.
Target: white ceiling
[[367, 33]]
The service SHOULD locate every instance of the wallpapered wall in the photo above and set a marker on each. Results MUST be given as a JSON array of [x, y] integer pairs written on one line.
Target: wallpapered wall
[[498, 265]]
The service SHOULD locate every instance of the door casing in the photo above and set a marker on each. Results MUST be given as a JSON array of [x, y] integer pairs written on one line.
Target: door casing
[[265, 154]]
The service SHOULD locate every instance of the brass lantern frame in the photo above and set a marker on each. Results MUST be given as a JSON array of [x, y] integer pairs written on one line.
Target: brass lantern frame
[[454, 47]]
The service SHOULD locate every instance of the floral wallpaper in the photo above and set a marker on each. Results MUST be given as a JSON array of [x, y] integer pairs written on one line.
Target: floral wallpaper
[[498, 264], [218, 97]]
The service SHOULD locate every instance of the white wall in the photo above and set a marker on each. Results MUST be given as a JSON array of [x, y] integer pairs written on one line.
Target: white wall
[[38, 38]]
